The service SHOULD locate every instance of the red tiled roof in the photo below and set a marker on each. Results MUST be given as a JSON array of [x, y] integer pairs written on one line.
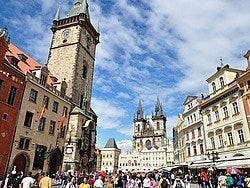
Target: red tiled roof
[[27, 66]]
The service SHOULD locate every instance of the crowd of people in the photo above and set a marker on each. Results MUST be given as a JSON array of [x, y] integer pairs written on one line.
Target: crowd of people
[[175, 179]]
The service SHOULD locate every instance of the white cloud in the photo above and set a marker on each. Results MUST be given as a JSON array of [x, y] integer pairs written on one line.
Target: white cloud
[[109, 115], [125, 145]]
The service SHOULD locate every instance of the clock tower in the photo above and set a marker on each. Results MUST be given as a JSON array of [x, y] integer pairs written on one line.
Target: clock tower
[[72, 52], [71, 58]]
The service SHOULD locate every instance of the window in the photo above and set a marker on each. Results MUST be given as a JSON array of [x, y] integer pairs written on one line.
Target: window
[[5, 116], [28, 119], [194, 118], [225, 111], [65, 111], [24, 143], [199, 131], [195, 150], [52, 127], [39, 157], [138, 127], [187, 136], [235, 107], [191, 119], [209, 118], [217, 115], [188, 120], [41, 124], [248, 84], [43, 79], [189, 152], [33, 95], [12, 95], [55, 106], [221, 141], [193, 135], [222, 82], [84, 71], [1, 84], [158, 125], [46, 101], [212, 142], [230, 138], [241, 136], [201, 149], [213, 87], [62, 132]]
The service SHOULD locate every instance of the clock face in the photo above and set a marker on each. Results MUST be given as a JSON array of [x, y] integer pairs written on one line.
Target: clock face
[[66, 33], [69, 150]]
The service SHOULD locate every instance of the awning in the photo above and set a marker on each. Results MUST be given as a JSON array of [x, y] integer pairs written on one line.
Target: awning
[[243, 163]]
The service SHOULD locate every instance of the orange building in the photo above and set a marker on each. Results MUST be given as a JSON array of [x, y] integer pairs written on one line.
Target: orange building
[[12, 82]]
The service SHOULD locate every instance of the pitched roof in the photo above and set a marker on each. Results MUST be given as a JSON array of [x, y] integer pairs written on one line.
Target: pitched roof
[[111, 144], [24, 66]]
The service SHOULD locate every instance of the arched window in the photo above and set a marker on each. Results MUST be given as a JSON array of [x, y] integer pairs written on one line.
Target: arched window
[[138, 127], [214, 87], [158, 125], [222, 82]]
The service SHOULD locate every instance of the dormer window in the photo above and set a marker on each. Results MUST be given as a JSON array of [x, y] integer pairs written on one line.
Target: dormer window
[[22, 57], [222, 82], [213, 87], [13, 60], [43, 79]]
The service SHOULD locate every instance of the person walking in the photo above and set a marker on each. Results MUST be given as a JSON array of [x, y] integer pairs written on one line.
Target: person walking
[[28, 181], [45, 181], [164, 182], [178, 183], [98, 183]]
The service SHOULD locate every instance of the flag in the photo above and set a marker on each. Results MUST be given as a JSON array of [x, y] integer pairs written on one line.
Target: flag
[[42, 112], [62, 122]]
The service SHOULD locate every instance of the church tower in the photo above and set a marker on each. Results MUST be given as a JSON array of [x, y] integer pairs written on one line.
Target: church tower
[[71, 58], [72, 52]]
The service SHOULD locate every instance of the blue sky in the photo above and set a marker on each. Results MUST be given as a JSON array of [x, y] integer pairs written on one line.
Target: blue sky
[[147, 49]]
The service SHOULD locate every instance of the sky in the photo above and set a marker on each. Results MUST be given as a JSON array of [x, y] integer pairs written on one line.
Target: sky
[[148, 49]]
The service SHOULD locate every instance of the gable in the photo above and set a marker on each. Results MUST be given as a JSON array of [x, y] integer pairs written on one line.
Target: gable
[[189, 99]]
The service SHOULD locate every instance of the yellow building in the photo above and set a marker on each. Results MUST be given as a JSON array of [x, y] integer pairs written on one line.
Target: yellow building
[[226, 128]]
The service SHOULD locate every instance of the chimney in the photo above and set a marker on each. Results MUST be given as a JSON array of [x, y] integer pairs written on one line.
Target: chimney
[[247, 56]]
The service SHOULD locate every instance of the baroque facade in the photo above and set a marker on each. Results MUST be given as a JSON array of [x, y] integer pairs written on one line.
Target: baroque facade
[[71, 58], [151, 148]]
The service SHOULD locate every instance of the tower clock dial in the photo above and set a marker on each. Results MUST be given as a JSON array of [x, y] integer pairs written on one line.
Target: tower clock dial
[[66, 33]]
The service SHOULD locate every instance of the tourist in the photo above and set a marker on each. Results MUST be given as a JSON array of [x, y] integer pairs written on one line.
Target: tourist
[[85, 183], [164, 182], [178, 183], [28, 181], [6, 182], [229, 181], [222, 181], [204, 179], [16, 181], [146, 182], [188, 180], [98, 183], [45, 181]]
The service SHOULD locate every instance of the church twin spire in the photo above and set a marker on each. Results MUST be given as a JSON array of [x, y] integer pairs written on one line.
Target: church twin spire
[[157, 114]]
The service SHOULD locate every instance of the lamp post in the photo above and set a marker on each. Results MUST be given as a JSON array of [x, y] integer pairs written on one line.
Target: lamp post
[[213, 156]]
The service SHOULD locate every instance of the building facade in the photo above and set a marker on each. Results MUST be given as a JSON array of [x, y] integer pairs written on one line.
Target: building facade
[[71, 58], [41, 126], [12, 82], [110, 156], [224, 117], [193, 134], [151, 148]]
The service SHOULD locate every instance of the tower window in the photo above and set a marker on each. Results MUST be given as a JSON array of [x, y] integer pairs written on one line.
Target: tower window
[[5, 116], [1, 84], [158, 125], [84, 71], [43, 79]]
